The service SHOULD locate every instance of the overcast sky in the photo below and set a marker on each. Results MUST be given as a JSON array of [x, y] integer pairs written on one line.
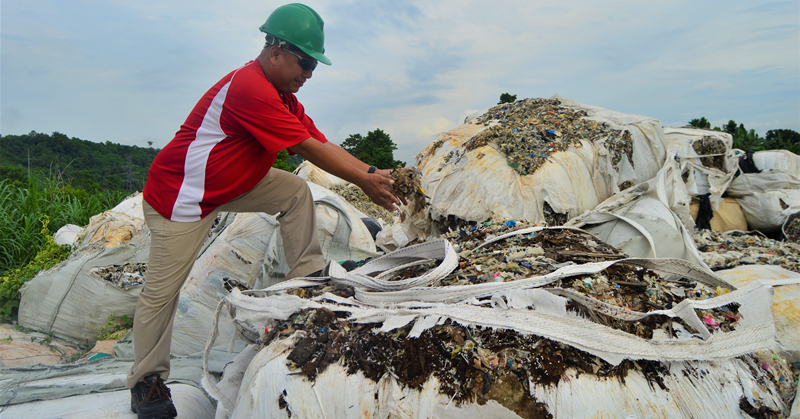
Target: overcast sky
[[130, 71]]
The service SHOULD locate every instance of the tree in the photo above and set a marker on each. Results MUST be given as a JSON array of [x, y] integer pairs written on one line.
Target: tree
[[700, 123], [376, 149], [730, 127], [17, 176], [507, 98], [282, 162], [783, 139]]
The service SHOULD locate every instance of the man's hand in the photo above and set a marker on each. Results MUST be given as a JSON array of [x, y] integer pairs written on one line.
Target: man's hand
[[379, 189], [377, 186]]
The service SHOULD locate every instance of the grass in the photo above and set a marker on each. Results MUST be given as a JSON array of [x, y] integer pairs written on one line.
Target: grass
[[29, 216]]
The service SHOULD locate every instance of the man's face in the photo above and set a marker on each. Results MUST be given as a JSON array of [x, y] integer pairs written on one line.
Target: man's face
[[289, 76]]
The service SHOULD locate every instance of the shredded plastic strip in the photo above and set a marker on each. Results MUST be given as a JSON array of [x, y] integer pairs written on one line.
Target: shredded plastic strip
[[458, 293]]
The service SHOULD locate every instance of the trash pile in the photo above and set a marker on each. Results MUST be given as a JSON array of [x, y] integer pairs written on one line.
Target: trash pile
[[332, 325], [358, 199], [472, 362], [124, 276], [728, 250], [407, 186], [528, 131]]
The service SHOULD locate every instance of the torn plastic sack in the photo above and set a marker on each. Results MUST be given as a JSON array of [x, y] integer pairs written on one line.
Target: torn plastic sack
[[706, 159], [768, 211], [785, 302], [101, 278], [649, 220], [520, 161], [68, 235]]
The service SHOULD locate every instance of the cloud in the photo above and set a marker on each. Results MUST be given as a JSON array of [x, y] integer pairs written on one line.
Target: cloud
[[131, 71]]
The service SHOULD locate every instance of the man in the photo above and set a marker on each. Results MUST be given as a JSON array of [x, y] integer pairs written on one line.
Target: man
[[220, 160]]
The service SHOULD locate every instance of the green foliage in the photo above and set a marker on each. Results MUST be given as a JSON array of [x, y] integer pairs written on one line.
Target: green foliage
[[700, 123], [89, 165], [507, 98], [48, 255], [113, 329], [282, 162], [785, 139], [777, 139], [376, 149], [16, 175]]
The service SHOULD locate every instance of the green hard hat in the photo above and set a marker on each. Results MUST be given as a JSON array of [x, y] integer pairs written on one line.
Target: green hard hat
[[300, 26]]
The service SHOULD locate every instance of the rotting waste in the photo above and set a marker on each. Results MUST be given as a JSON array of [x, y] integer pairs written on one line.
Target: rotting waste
[[714, 149], [407, 186]]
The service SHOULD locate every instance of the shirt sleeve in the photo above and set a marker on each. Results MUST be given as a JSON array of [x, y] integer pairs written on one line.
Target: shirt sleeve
[[299, 111], [254, 106]]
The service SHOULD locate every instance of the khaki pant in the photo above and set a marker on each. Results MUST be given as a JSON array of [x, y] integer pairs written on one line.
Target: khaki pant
[[174, 247]]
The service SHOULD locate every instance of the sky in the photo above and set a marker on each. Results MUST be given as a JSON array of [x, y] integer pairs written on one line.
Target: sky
[[130, 72]]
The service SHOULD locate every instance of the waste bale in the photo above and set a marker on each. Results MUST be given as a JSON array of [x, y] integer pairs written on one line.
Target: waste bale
[[783, 160], [519, 158], [768, 211], [771, 195], [559, 313], [358, 199], [96, 283], [727, 217], [707, 162]]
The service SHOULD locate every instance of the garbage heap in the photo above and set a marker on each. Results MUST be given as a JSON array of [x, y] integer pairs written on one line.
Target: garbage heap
[[506, 317], [541, 161], [528, 131]]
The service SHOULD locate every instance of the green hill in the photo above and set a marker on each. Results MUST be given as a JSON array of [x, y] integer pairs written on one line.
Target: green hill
[[84, 164]]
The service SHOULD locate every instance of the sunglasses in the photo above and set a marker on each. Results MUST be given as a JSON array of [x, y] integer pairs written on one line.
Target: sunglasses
[[305, 63]]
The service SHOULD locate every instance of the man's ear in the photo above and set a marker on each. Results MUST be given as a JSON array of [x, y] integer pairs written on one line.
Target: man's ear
[[274, 52]]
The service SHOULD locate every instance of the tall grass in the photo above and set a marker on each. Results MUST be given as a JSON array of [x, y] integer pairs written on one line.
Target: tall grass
[[22, 210], [28, 218]]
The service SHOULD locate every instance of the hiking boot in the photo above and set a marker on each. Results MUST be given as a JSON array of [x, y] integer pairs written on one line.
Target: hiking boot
[[151, 399]]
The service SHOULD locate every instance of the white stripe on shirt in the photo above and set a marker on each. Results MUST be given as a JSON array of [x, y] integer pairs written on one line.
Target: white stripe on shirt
[[187, 204]]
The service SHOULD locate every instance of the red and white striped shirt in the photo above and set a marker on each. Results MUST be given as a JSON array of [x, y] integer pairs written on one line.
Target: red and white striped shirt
[[226, 146]]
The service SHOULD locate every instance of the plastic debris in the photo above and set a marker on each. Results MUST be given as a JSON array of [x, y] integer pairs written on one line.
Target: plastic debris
[[528, 131], [407, 186], [125, 276], [728, 250]]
